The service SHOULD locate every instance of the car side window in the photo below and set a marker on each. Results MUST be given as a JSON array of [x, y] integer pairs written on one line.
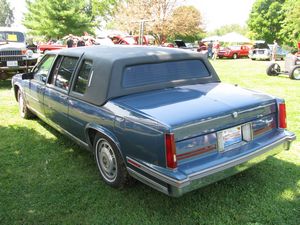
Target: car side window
[[42, 70], [62, 71], [84, 77]]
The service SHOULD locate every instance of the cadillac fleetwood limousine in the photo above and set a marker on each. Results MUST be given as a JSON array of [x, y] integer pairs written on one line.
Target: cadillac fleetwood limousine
[[159, 115]]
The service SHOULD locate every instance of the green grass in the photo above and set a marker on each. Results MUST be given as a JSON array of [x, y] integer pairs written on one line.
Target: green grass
[[47, 179]]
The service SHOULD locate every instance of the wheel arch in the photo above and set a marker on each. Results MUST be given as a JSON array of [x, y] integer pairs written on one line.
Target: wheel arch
[[92, 129], [16, 89]]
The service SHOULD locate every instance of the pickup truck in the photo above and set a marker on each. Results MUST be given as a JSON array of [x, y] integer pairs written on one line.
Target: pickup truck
[[14, 56], [159, 115]]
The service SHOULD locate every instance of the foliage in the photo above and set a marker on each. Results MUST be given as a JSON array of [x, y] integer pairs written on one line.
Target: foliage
[[265, 20], [162, 18], [56, 18], [228, 29], [47, 179], [291, 25], [6, 13], [186, 23]]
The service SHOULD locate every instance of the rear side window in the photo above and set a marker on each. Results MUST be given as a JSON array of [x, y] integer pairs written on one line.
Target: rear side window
[[84, 77], [166, 72]]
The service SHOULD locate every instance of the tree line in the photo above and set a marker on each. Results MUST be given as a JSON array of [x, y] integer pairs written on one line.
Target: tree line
[[164, 19]]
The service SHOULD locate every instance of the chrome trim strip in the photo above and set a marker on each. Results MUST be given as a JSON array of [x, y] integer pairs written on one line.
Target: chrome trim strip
[[148, 181], [91, 77], [158, 175]]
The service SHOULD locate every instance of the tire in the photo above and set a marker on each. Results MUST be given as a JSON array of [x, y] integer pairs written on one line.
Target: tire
[[110, 163], [235, 56], [23, 109], [273, 69], [295, 73]]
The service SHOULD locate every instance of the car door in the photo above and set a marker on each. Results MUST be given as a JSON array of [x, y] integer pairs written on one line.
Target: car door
[[56, 93], [36, 86]]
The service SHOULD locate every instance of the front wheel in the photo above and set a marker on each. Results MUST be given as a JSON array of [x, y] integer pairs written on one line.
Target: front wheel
[[235, 56], [295, 73], [24, 111], [110, 163], [273, 69]]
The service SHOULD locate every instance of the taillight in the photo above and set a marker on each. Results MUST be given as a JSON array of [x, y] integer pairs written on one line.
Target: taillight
[[282, 115], [170, 151]]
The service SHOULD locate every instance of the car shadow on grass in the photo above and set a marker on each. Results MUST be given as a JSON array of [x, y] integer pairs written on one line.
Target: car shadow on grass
[[5, 84], [46, 178]]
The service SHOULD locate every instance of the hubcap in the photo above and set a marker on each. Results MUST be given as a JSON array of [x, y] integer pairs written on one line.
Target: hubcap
[[297, 73], [106, 160]]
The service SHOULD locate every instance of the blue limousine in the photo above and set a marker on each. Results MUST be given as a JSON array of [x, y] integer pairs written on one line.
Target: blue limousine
[[159, 115]]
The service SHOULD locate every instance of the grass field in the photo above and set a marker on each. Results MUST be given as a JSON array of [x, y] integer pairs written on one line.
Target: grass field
[[47, 179]]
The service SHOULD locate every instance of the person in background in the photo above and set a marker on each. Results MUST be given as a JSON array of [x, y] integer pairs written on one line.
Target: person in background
[[216, 49], [70, 41], [210, 49], [274, 50], [80, 42]]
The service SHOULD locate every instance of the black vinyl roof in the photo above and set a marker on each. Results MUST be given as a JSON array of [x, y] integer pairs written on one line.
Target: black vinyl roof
[[109, 63]]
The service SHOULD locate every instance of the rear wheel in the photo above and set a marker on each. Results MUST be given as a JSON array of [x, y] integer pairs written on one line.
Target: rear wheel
[[295, 73], [24, 111], [273, 69], [110, 163]]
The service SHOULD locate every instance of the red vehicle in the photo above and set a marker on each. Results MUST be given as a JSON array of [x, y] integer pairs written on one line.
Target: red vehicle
[[124, 40], [234, 52], [43, 48]]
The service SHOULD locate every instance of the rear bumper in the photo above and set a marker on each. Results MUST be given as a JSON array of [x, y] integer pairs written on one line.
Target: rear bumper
[[176, 187]]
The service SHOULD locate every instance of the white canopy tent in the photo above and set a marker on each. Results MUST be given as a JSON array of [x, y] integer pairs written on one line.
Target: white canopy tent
[[211, 38]]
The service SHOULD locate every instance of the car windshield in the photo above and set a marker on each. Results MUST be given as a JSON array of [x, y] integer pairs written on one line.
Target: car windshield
[[12, 36], [130, 40]]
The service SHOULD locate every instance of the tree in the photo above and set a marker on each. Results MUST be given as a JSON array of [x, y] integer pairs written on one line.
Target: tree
[[265, 20], [229, 28], [291, 25], [56, 18], [161, 16], [186, 23], [6, 14]]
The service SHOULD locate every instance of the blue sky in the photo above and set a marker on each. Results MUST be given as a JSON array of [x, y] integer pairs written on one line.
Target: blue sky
[[214, 12]]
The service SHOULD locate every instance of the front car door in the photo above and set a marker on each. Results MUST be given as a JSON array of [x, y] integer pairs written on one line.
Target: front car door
[[36, 86]]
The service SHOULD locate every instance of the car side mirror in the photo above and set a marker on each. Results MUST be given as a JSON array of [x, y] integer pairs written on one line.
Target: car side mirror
[[27, 76]]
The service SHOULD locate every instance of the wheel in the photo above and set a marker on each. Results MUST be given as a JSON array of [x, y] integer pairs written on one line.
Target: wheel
[[295, 73], [24, 111], [273, 69], [235, 56], [110, 163]]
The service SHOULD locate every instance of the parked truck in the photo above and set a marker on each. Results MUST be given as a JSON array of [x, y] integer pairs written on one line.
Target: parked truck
[[14, 56]]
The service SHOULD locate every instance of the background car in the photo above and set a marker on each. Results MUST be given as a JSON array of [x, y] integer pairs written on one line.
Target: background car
[[51, 45], [234, 52], [260, 51]]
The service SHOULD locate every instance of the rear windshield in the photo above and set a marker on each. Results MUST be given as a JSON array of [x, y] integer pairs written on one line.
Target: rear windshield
[[261, 45], [165, 72]]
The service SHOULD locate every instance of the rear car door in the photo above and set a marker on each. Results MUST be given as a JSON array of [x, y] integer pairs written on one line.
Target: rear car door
[[36, 86], [56, 93]]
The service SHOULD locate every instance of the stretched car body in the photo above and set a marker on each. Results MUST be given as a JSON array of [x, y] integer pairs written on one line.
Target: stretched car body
[[160, 115]]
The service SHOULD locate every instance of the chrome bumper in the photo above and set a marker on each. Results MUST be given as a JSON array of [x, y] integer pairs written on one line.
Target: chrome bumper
[[202, 178]]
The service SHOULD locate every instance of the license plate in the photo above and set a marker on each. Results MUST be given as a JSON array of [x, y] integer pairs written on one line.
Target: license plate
[[229, 137], [12, 63]]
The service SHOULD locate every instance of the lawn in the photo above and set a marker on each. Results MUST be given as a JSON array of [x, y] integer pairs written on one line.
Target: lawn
[[47, 179]]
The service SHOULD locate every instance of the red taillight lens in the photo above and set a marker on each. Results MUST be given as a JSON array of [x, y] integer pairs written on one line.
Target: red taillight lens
[[282, 116], [170, 151]]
